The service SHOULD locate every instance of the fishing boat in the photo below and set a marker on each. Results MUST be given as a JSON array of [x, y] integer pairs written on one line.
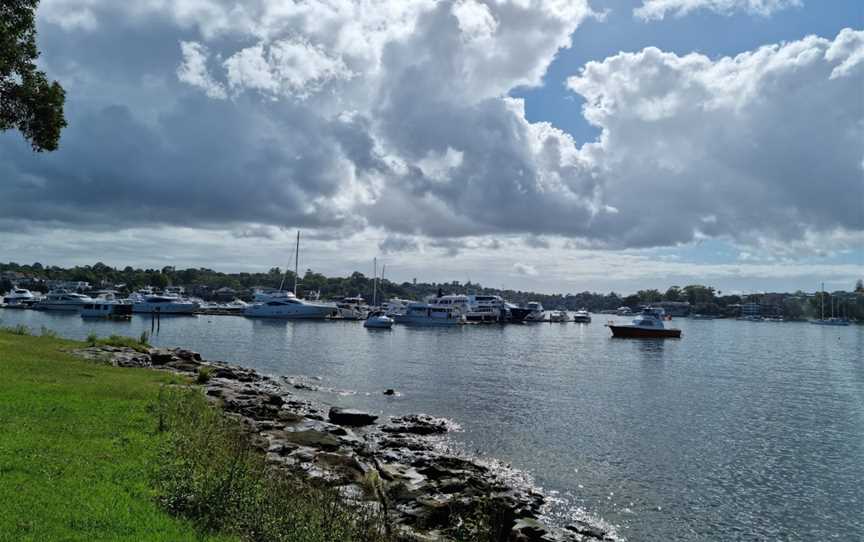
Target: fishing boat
[[582, 317], [647, 325]]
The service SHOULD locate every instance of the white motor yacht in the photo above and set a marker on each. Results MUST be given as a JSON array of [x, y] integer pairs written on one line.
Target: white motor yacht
[[286, 305], [537, 313], [163, 304], [485, 308], [457, 301], [395, 306], [582, 317], [427, 314], [61, 300], [19, 297]]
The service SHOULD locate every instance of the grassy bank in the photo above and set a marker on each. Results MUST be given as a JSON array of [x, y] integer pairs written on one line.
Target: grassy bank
[[75, 439], [93, 452]]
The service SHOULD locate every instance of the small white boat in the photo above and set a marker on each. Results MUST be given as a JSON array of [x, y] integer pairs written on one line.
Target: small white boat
[[582, 317], [425, 314], [352, 308], [558, 316], [61, 300], [378, 320], [537, 313]]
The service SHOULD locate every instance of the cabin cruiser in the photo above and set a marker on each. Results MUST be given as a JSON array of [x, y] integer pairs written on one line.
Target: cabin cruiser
[[103, 308], [19, 297], [61, 300], [485, 308], [458, 301], [286, 305], [163, 304], [378, 320], [352, 308], [427, 314], [647, 325], [536, 314], [558, 316], [582, 317]]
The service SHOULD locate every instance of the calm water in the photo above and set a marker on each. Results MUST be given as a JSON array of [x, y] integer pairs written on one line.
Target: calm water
[[739, 431]]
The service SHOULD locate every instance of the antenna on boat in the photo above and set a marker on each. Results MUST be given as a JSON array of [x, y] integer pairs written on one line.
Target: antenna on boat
[[296, 261]]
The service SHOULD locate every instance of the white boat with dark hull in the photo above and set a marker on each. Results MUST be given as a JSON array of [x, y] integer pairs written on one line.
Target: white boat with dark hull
[[62, 301], [163, 304], [20, 298], [287, 306], [427, 314]]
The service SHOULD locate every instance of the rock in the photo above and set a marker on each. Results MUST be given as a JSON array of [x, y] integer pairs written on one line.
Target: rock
[[417, 424], [313, 438], [586, 529], [161, 356], [345, 416], [188, 355], [389, 391]]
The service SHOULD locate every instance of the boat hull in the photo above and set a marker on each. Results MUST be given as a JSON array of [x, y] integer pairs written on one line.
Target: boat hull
[[518, 314], [633, 332], [290, 312], [408, 320], [167, 308]]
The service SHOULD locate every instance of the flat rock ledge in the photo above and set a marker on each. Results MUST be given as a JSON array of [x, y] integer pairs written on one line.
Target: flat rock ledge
[[399, 463]]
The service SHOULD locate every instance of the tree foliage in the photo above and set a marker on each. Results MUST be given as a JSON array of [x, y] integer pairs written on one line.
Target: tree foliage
[[28, 101]]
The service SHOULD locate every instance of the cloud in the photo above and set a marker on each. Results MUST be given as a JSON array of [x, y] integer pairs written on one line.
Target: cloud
[[524, 269], [658, 9], [336, 117]]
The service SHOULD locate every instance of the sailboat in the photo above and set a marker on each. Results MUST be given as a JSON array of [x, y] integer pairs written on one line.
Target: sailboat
[[377, 319], [833, 321], [286, 305]]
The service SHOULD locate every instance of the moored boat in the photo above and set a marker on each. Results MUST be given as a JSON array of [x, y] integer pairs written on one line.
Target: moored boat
[[647, 325], [287, 306], [163, 304], [582, 317], [425, 314], [112, 310], [536, 312], [61, 300], [558, 316], [19, 298], [378, 320]]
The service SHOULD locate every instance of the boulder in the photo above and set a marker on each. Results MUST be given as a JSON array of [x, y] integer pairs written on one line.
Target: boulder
[[416, 424], [346, 416]]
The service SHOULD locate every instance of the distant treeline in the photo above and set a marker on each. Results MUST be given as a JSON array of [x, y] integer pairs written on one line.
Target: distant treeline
[[205, 282]]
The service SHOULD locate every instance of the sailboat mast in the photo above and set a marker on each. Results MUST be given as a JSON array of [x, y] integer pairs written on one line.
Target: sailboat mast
[[296, 261], [374, 281], [822, 298], [383, 267]]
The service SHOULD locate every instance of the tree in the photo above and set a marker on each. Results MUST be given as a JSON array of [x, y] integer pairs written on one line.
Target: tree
[[28, 102], [859, 286], [673, 294]]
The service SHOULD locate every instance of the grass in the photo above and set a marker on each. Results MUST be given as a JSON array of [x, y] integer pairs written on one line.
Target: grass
[[76, 446], [140, 344], [93, 452]]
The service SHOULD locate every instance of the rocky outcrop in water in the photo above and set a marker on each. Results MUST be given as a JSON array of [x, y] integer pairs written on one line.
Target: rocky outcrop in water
[[400, 464]]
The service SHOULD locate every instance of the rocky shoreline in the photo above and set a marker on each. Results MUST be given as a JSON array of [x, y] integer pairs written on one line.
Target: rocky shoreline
[[422, 485]]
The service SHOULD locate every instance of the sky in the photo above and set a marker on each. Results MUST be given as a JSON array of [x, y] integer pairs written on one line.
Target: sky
[[546, 145]]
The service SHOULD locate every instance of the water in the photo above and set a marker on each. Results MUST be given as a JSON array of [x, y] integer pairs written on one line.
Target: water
[[738, 431]]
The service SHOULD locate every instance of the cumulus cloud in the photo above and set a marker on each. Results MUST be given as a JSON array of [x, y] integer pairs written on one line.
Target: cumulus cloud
[[524, 269], [395, 116], [658, 9]]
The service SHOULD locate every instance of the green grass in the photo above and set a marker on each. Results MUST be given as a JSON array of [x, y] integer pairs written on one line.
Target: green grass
[[140, 344], [77, 441]]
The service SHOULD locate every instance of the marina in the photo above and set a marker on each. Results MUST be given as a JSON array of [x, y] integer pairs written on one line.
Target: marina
[[736, 431]]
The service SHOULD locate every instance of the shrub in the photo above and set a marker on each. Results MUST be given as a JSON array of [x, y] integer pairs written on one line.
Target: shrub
[[92, 339], [144, 339], [19, 329], [207, 470], [48, 332], [204, 375]]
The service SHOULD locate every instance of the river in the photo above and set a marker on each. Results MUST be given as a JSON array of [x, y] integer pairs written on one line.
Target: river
[[737, 431]]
